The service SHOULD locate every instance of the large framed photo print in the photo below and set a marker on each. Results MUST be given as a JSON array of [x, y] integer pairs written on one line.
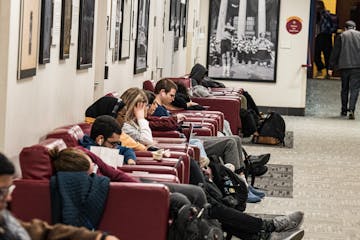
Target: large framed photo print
[[141, 43], [29, 35], [65, 31], [125, 32], [45, 31], [86, 34], [243, 39]]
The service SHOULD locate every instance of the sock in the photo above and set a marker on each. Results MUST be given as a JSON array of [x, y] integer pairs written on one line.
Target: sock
[[243, 178]]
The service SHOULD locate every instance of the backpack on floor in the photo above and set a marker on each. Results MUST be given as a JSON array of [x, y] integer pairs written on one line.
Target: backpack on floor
[[249, 122], [233, 189], [191, 223], [271, 130]]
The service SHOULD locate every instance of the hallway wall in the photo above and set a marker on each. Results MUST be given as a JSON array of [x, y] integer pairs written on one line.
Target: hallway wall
[[59, 93], [290, 88]]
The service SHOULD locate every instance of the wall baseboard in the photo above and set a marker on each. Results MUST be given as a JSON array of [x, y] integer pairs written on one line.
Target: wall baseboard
[[283, 110]]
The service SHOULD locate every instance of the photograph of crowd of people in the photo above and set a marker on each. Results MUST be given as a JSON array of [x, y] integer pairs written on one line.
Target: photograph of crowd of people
[[242, 41]]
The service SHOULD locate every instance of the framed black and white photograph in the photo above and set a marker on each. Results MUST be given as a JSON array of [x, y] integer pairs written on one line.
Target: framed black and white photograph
[[182, 19], [141, 42], [172, 17], [45, 31], [86, 34], [116, 28], [184, 23], [243, 39], [177, 27], [125, 30], [29, 36], [65, 29]]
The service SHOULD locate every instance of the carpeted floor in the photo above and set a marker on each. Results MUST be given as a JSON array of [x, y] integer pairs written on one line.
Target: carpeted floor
[[277, 182]]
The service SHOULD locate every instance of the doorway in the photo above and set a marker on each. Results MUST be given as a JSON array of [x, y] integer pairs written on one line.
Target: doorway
[[344, 10]]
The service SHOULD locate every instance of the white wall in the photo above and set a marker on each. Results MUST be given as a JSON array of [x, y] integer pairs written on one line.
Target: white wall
[[56, 96], [290, 87], [4, 49]]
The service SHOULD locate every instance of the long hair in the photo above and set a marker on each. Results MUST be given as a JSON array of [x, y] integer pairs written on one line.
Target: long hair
[[131, 98]]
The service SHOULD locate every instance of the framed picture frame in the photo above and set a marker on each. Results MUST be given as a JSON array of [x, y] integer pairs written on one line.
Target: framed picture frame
[[141, 42], [177, 25], [29, 37], [172, 17], [65, 30], [86, 34], [184, 23], [243, 40], [45, 31], [116, 30], [125, 30]]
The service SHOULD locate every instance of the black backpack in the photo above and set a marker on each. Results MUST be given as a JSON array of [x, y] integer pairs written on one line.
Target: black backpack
[[191, 223], [249, 122], [272, 129], [233, 189]]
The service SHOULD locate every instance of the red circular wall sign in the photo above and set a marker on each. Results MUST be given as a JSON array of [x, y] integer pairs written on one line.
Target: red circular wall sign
[[294, 25]]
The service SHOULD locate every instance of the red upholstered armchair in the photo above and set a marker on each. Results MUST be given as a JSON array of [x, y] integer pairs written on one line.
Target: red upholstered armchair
[[35, 163], [228, 105], [72, 134], [132, 211]]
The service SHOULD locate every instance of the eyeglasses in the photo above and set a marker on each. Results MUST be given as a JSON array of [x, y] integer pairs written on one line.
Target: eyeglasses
[[5, 191], [113, 144]]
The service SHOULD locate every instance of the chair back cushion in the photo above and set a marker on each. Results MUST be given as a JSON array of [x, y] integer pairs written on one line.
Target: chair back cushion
[[35, 162], [148, 85], [70, 134]]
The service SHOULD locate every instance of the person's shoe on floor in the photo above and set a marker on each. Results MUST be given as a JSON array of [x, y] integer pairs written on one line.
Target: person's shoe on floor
[[295, 234], [256, 192], [252, 198], [287, 222], [343, 113], [318, 74], [351, 115]]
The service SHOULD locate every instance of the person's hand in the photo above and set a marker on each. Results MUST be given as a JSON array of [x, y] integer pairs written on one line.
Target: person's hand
[[191, 103], [330, 72], [180, 117], [131, 162], [108, 237], [139, 110]]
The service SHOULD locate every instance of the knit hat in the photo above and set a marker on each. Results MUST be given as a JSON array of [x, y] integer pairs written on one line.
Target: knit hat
[[350, 24]]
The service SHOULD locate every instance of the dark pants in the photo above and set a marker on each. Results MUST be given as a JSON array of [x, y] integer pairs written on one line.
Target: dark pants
[[350, 81], [194, 194], [323, 44], [235, 222]]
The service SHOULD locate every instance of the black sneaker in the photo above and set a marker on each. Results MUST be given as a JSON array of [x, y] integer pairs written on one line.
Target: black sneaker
[[351, 115], [343, 113], [256, 161]]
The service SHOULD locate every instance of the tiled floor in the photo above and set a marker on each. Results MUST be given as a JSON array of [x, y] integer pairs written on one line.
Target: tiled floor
[[326, 165]]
